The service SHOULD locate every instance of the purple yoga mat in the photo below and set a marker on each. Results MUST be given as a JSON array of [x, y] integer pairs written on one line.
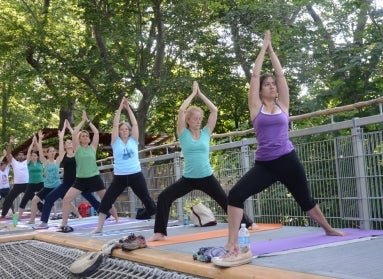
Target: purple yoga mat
[[309, 240], [87, 223]]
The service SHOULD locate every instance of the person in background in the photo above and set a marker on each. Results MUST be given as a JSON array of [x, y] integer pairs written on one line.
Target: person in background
[[20, 177], [4, 178], [36, 177], [88, 177], [67, 160], [276, 159], [198, 174], [51, 177], [127, 168]]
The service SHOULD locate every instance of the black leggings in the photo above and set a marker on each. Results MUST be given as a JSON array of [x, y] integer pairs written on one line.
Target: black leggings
[[138, 184], [286, 169], [180, 188], [30, 192], [16, 190]]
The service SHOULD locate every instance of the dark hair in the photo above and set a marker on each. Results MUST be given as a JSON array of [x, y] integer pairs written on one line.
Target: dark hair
[[263, 77]]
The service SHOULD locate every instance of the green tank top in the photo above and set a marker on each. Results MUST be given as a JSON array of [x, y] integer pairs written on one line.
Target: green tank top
[[86, 165], [35, 172]]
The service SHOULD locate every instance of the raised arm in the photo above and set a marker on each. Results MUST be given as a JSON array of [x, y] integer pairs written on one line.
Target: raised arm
[[181, 123], [77, 129], [116, 121], [254, 100], [29, 152], [212, 120], [282, 87], [9, 149], [4, 156], [40, 146], [61, 143], [96, 135], [133, 120]]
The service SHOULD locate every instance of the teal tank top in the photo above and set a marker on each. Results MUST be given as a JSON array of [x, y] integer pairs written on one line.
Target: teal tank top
[[196, 154], [52, 175], [35, 172]]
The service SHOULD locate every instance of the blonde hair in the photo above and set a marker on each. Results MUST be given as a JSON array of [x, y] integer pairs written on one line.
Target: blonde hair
[[190, 111], [81, 132]]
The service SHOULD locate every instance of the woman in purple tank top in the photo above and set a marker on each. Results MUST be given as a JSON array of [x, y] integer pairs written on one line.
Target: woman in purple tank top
[[276, 159]]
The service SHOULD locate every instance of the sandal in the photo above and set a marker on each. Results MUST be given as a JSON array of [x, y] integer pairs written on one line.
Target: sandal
[[65, 229]]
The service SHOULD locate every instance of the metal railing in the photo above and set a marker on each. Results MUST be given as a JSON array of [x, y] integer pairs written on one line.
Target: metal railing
[[345, 174]]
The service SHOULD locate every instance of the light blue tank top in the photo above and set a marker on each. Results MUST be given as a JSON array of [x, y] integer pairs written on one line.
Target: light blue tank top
[[196, 154], [125, 156], [52, 175]]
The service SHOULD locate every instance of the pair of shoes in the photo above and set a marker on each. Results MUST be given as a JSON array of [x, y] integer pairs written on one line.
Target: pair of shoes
[[133, 242], [65, 229], [231, 259]]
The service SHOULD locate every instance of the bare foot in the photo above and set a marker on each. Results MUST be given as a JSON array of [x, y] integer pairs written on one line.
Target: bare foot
[[334, 232], [231, 248], [156, 237], [96, 230], [253, 227]]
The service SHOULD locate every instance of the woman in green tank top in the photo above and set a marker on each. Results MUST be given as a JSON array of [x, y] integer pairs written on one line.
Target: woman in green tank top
[[88, 178]]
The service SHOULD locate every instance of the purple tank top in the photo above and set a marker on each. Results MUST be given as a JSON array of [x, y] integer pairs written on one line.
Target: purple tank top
[[271, 131]]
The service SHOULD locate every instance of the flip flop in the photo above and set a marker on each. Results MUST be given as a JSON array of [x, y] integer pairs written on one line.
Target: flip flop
[[65, 229]]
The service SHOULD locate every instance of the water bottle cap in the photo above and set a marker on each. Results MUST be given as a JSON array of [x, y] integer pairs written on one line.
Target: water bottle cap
[[243, 225]]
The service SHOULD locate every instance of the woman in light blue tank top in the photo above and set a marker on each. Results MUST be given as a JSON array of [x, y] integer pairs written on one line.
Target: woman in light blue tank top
[[198, 175], [127, 168], [275, 156]]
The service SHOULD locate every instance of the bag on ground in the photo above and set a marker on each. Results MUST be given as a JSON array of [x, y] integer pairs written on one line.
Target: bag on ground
[[202, 216]]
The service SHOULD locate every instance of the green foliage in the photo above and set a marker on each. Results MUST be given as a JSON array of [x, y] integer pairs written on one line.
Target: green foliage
[[69, 56]]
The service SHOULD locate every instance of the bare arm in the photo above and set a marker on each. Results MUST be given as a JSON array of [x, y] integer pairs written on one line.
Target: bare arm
[[29, 152], [282, 86], [3, 156], [61, 143], [181, 123], [40, 146], [133, 120], [9, 149], [212, 120], [116, 121], [96, 136], [254, 100], [77, 129]]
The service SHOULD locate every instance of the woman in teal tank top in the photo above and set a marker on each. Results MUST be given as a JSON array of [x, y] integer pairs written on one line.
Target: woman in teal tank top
[[51, 178], [36, 179], [198, 174], [88, 178]]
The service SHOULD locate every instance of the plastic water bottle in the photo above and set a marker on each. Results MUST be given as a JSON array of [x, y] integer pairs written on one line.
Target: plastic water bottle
[[243, 239], [186, 219], [15, 219]]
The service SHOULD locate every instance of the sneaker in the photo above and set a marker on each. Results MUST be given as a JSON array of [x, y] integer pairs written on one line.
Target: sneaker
[[133, 242], [230, 259]]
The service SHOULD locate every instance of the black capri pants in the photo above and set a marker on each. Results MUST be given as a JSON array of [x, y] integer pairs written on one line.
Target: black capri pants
[[286, 169], [138, 184]]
